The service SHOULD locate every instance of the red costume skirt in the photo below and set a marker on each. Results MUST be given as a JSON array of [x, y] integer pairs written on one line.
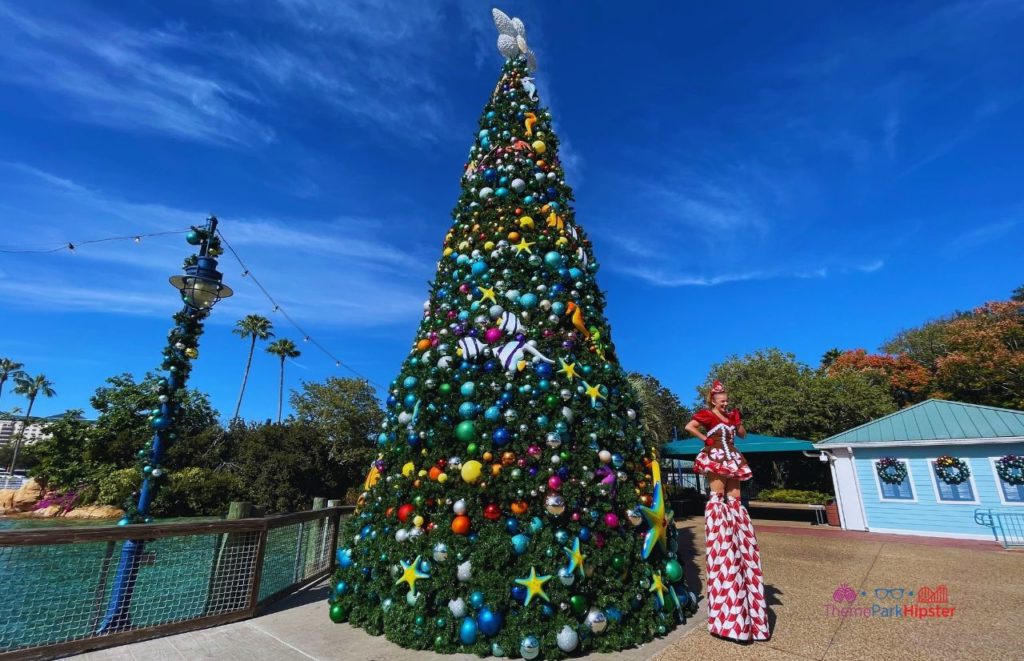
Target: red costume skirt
[[717, 460], [736, 605]]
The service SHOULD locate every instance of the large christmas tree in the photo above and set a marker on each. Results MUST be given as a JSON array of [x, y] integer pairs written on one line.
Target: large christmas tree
[[515, 507]]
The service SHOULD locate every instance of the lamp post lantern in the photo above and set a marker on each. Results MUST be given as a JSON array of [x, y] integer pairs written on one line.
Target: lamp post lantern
[[200, 288]]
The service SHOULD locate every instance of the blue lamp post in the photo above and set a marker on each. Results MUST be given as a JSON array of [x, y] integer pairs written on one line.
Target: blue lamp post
[[200, 288]]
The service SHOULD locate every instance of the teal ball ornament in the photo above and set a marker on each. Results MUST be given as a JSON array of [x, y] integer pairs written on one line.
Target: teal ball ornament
[[468, 631], [476, 599], [673, 571], [193, 238], [529, 301], [497, 650], [554, 259], [519, 543]]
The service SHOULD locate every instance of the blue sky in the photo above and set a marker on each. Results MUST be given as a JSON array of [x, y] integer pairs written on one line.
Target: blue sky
[[795, 175]]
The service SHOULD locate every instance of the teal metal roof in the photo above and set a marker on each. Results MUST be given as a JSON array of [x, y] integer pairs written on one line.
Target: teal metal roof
[[689, 447], [935, 420]]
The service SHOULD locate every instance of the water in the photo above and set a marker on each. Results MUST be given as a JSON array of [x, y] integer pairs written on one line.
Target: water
[[53, 593]]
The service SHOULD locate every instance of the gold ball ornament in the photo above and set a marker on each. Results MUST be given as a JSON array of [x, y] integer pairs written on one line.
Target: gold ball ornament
[[471, 471]]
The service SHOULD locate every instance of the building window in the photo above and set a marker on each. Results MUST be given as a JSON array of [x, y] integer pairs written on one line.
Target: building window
[[1009, 494], [902, 491], [952, 493]]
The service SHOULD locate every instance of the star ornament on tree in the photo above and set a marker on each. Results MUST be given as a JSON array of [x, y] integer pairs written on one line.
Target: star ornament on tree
[[410, 573], [658, 588], [534, 585], [576, 557], [658, 519], [512, 38]]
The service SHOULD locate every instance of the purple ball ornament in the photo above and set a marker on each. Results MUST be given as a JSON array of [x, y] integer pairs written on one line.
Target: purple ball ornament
[[611, 519], [554, 483]]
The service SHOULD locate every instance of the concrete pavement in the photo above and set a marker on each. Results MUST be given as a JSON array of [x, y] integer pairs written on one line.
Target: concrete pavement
[[805, 569]]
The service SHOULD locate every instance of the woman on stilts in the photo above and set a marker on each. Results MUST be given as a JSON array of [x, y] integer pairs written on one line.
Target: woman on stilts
[[735, 593]]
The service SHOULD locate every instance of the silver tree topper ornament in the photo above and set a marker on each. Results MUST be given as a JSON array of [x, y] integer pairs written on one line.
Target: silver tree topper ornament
[[512, 38]]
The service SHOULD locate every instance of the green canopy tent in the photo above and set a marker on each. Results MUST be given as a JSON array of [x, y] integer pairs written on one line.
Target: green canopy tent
[[689, 447]]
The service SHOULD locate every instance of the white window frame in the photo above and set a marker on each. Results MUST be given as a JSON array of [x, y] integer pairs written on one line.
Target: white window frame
[[970, 479], [999, 486], [909, 478]]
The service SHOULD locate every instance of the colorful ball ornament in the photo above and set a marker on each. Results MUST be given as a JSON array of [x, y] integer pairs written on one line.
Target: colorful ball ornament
[[489, 621], [465, 431], [476, 599], [519, 543], [492, 512], [338, 613], [471, 471], [404, 512], [529, 647], [440, 552], [457, 607], [673, 571], [554, 504], [468, 631], [461, 525], [597, 621], [567, 639]]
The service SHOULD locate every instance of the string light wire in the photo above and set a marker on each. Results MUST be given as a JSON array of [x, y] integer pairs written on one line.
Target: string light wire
[[277, 307], [71, 246]]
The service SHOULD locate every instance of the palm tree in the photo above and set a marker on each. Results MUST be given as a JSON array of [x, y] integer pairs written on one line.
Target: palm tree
[[652, 418], [9, 370], [258, 328], [31, 387], [283, 348]]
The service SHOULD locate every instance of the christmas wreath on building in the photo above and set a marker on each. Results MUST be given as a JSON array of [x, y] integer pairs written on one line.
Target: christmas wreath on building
[[891, 470], [1011, 469], [952, 470]]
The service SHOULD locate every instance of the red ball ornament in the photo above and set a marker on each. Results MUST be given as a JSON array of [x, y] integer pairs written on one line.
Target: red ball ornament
[[492, 512], [554, 483], [405, 511]]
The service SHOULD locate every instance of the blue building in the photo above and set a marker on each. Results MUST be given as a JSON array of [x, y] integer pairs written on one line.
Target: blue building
[[907, 494]]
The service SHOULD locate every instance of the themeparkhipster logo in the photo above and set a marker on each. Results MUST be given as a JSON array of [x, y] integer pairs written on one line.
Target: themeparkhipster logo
[[891, 602]]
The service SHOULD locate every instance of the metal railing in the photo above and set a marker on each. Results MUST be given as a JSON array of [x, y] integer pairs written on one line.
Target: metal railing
[[1007, 527], [56, 583], [12, 481]]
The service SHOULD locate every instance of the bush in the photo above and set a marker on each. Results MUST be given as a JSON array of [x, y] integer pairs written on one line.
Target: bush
[[195, 491], [116, 486], [795, 496]]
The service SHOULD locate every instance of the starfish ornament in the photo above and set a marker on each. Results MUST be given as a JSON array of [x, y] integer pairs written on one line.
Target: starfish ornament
[[523, 245], [487, 293], [594, 392], [658, 519], [411, 573], [575, 556], [568, 369], [534, 585], [658, 587]]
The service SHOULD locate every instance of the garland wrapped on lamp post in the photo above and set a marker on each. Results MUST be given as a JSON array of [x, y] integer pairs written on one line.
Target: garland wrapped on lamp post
[[200, 288]]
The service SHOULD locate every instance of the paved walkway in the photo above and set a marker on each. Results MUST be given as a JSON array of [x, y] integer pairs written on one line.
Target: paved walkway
[[803, 565]]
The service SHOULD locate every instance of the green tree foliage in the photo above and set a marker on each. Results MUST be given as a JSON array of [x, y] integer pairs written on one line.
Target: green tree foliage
[[284, 466], [780, 396], [661, 413], [9, 370], [29, 387], [511, 435], [122, 428], [347, 413]]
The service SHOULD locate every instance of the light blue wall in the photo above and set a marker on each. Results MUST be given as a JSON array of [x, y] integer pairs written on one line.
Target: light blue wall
[[927, 514]]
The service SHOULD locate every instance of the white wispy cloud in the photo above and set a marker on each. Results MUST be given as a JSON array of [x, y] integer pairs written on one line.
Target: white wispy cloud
[[126, 79], [344, 272]]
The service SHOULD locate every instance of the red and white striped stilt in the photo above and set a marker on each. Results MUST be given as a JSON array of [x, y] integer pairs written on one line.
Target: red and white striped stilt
[[726, 592], [754, 617]]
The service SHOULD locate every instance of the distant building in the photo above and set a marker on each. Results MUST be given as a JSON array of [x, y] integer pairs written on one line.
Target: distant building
[[34, 432], [867, 460]]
